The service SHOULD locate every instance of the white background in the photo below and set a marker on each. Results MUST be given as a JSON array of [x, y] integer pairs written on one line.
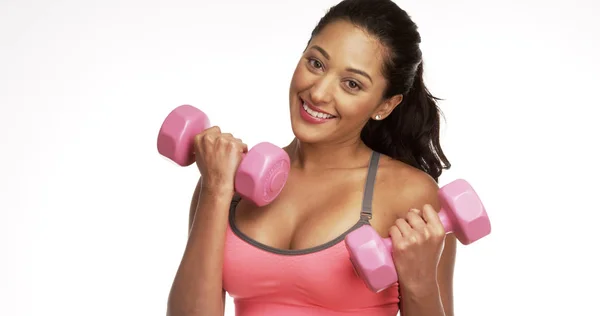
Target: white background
[[93, 221]]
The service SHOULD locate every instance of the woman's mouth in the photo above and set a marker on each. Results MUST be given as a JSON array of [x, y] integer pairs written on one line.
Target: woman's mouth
[[314, 113]]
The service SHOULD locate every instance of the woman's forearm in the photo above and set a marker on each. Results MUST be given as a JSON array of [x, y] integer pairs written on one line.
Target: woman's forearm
[[197, 288], [424, 302]]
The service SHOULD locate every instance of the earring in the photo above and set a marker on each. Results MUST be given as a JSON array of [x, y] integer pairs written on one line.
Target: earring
[[378, 117]]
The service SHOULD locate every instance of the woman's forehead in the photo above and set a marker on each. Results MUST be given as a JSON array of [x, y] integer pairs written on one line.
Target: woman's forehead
[[347, 45]]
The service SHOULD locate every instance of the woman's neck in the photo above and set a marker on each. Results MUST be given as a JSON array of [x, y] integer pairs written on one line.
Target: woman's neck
[[317, 157]]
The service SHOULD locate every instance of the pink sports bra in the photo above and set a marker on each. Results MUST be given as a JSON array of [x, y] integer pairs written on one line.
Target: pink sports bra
[[263, 280]]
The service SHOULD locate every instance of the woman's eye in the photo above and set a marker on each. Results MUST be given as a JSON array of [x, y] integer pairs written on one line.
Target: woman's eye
[[315, 63], [353, 85]]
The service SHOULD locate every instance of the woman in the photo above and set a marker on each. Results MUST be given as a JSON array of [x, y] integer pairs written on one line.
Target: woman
[[366, 152]]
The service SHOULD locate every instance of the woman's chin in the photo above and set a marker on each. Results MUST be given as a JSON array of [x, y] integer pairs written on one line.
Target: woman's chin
[[307, 134]]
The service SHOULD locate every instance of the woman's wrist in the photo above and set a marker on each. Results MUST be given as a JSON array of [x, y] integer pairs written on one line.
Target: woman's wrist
[[219, 192]]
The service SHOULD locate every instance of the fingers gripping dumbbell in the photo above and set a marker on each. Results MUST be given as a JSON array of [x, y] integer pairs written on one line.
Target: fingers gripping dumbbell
[[260, 176], [462, 213]]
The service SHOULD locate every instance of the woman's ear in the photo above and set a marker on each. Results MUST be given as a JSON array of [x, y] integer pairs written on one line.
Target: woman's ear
[[386, 107]]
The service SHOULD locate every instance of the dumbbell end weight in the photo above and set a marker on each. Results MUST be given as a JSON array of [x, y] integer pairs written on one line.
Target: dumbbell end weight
[[463, 212], [371, 258], [176, 135], [262, 174]]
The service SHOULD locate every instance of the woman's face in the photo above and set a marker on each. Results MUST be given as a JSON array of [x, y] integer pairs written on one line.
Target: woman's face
[[337, 85]]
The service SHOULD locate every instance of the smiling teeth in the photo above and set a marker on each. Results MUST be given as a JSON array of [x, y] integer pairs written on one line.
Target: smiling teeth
[[315, 114]]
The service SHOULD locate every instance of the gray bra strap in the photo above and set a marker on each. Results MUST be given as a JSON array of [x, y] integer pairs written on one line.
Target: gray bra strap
[[366, 212]]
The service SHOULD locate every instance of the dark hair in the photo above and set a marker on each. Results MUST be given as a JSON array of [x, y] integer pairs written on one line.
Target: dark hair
[[411, 132]]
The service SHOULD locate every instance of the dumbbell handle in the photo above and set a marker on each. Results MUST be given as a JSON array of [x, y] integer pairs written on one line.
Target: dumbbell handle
[[446, 222], [243, 154]]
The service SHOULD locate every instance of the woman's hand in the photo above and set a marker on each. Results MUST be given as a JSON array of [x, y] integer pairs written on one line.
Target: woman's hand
[[417, 242], [218, 156]]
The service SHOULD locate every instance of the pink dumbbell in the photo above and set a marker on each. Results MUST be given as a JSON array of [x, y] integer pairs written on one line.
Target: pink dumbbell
[[260, 176], [462, 213]]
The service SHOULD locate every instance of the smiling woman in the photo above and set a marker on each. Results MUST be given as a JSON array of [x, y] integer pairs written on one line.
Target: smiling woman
[[344, 64], [366, 152]]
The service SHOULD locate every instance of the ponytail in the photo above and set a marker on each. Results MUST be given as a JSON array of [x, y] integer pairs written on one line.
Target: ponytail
[[411, 133]]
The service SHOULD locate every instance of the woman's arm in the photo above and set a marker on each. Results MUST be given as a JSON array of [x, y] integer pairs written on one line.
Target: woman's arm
[[430, 292], [436, 298], [197, 288]]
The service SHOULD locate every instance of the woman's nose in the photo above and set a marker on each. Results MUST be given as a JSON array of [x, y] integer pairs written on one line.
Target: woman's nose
[[321, 91]]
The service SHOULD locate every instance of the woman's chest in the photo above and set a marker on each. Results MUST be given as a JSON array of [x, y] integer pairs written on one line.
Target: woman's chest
[[320, 277], [305, 215]]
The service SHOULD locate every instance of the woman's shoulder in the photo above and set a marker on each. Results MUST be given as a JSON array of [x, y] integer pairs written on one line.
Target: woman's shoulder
[[401, 187]]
